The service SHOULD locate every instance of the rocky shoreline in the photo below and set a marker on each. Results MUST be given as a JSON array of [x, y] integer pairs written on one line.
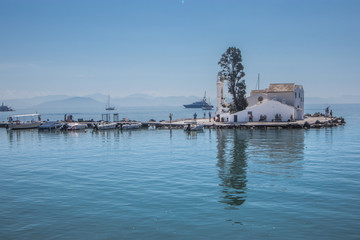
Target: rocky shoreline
[[307, 123]]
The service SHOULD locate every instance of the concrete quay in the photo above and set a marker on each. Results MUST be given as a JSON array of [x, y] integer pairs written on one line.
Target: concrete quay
[[308, 122]]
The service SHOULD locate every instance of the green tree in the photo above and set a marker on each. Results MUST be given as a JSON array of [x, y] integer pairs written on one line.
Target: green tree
[[233, 72]]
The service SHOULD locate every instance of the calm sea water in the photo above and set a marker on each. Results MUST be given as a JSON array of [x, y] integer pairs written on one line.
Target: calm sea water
[[135, 113], [162, 184]]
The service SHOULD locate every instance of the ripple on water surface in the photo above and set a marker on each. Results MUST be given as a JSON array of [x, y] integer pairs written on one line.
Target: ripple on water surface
[[218, 184]]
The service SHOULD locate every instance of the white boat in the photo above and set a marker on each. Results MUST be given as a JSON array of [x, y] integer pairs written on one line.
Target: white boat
[[4, 108], [199, 104], [152, 127], [76, 126], [26, 121], [132, 126], [49, 125], [207, 108], [105, 126], [193, 126]]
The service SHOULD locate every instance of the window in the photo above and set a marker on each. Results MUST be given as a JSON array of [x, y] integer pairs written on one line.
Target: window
[[295, 95]]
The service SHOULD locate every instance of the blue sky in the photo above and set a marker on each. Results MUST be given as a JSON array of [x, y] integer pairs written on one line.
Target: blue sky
[[167, 47]]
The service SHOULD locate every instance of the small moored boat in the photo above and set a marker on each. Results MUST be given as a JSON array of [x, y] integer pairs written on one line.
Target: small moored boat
[[75, 126], [132, 126], [152, 127], [50, 125], [26, 121], [105, 126], [193, 126]]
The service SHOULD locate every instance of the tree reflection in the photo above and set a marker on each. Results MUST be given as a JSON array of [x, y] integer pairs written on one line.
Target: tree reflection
[[232, 166], [274, 152]]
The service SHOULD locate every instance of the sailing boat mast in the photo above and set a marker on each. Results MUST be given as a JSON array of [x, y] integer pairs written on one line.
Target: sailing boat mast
[[108, 106]]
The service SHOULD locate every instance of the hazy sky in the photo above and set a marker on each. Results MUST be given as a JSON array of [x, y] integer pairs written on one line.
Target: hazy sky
[[172, 47]]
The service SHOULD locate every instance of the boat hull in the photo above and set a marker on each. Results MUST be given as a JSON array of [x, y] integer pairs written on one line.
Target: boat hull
[[76, 127], [14, 126], [51, 126], [194, 128], [202, 105], [192, 106], [106, 126], [131, 126]]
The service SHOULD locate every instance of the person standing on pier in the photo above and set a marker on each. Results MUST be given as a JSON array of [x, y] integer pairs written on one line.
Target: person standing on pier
[[209, 116], [195, 115], [327, 111]]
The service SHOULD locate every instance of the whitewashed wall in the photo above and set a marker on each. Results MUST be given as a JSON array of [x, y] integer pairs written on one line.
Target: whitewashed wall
[[283, 97], [254, 99], [225, 117], [299, 100], [269, 108]]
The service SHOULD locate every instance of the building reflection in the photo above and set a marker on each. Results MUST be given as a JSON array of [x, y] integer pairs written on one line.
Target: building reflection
[[270, 152], [232, 165], [278, 152]]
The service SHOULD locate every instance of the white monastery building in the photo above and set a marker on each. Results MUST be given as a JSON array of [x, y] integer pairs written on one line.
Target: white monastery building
[[278, 102]]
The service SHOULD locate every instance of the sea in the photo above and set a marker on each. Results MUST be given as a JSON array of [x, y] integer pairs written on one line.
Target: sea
[[170, 184]]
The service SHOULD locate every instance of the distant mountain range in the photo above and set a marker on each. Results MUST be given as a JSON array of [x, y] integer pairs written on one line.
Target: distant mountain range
[[71, 104], [99, 101], [95, 102], [31, 102], [139, 100]]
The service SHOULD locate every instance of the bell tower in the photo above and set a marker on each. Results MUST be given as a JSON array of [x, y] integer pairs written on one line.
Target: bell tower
[[220, 94]]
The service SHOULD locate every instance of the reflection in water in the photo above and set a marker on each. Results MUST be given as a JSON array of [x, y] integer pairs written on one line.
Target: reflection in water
[[108, 135], [277, 152], [17, 136], [35, 135], [232, 166], [193, 134], [269, 152]]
